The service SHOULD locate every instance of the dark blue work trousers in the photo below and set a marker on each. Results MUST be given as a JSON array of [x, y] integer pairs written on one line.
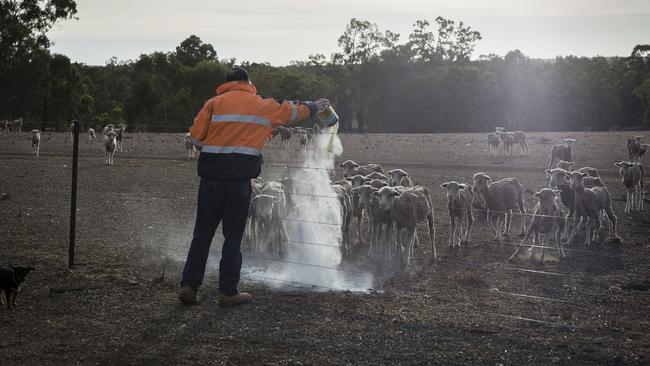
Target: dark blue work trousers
[[219, 200]]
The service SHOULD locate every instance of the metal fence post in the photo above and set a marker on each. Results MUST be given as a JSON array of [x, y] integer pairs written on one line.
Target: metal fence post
[[73, 198]]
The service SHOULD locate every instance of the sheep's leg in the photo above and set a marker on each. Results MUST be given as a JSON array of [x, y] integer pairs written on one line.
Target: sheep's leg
[[523, 241], [642, 197], [574, 229], [459, 231], [612, 221], [452, 224], [588, 231], [558, 242], [360, 220], [470, 223], [596, 235], [508, 223], [627, 202], [432, 235]]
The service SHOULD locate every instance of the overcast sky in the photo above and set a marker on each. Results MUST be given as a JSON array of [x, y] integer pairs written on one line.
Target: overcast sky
[[279, 31]]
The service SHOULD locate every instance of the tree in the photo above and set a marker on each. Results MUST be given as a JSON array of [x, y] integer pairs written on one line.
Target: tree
[[192, 51], [23, 51]]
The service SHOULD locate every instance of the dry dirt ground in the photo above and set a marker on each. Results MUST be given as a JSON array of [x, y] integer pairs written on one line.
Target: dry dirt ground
[[470, 307]]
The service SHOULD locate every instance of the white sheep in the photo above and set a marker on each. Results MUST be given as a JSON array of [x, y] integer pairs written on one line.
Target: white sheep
[[91, 135], [109, 146], [548, 221], [589, 202], [36, 141], [189, 146], [408, 207], [285, 134], [119, 138], [508, 140], [493, 142], [351, 168], [634, 148], [109, 127], [520, 138], [270, 206], [459, 204], [562, 152], [398, 177], [632, 176], [500, 197], [380, 222]]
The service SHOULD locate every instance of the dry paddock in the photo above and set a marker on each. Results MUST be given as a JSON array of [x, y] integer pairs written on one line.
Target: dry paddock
[[470, 307]]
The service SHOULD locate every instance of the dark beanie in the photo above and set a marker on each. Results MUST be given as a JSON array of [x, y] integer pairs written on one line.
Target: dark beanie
[[237, 74]]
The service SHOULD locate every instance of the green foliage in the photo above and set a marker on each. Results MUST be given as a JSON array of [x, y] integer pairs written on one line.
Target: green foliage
[[426, 84]]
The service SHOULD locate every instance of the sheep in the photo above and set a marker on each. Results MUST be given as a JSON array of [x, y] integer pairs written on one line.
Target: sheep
[[520, 138], [343, 192], [500, 197], [562, 152], [302, 135], [251, 223], [380, 222], [632, 175], [459, 204], [36, 141], [398, 177], [91, 135], [377, 175], [109, 146], [4, 126], [357, 180], [548, 220], [566, 166], [109, 127], [285, 134], [351, 168], [189, 146], [270, 211], [408, 207], [15, 126], [493, 142], [508, 139], [589, 202], [634, 148], [642, 150], [120, 136]]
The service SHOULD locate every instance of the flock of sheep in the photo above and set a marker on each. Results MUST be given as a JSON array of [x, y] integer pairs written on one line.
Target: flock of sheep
[[388, 207]]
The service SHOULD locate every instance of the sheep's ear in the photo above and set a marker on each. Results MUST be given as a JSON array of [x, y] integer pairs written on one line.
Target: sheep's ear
[[276, 200], [538, 194], [570, 163], [444, 185], [617, 163], [375, 193], [461, 186], [349, 179], [396, 193], [341, 164], [584, 174], [557, 192], [566, 179], [547, 171]]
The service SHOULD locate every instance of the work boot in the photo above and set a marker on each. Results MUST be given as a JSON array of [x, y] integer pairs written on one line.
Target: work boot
[[241, 298], [187, 295]]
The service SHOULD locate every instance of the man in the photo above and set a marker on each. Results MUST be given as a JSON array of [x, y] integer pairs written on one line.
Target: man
[[231, 130]]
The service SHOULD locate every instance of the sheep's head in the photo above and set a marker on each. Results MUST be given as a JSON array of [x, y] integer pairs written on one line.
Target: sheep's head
[[557, 177], [35, 132], [348, 164], [500, 129], [623, 167], [547, 198], [111, 135], [638, 139], [396, 176], [481, 180], [364, 192], [575, 180], [264, 205], [377, 183], [453, 188], [357, 180], [386, 197], [570, 142]]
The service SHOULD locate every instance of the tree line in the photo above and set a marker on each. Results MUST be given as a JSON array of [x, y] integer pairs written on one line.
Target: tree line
[[425, 84]]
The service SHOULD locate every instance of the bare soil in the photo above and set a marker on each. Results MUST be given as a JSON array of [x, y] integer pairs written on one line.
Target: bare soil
[[469, 307]]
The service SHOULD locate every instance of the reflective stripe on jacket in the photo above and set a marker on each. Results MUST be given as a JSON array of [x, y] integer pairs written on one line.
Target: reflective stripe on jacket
[[233, 128]]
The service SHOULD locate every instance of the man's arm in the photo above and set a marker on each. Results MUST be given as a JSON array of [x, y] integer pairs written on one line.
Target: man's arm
[[288, 112], [199, 129]]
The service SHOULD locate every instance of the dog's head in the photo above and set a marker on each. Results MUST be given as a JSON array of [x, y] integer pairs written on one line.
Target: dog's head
[[21, 272]]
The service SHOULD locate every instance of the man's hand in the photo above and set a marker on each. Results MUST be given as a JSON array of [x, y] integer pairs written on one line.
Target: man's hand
[[322, 104]]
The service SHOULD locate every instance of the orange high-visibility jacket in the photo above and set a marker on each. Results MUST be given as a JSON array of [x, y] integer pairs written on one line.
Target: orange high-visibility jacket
[[233, 128]]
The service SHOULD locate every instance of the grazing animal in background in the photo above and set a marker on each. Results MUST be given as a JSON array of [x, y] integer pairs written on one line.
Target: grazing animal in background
[[562, 152], [508, 140], [10, 281], [500, 197], [351, 168], [632, 175], [109, 127], [548, 221], [634, 148], [493, 141], [520, 138], [285, 134], [4, 126], [36, 141], [459, 204], [408, 207], [398, 177], [109, 146], [642, 150], [119, 138], [189, 146], [91, 135], [589, 202]]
